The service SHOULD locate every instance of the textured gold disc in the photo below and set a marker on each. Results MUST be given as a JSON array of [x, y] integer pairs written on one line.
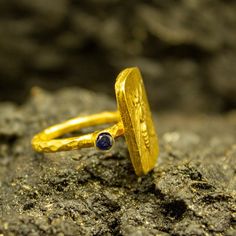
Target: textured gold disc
[[136, 116]]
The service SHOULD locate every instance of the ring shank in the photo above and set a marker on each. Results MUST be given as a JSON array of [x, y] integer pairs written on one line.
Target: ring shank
[[47, 141]]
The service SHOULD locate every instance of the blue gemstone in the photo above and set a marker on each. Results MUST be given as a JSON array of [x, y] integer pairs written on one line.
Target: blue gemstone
[[104, 141]]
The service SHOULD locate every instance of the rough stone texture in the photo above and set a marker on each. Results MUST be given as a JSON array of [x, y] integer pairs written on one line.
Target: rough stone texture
[[190, 192], [185, 48]]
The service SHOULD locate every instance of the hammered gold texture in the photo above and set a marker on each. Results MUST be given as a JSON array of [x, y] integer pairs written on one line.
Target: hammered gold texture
[[136, 116], [46, 140]]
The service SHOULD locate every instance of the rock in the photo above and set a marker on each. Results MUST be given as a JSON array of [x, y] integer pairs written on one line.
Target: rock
[[222, 73], [191, 191], [186, 49]]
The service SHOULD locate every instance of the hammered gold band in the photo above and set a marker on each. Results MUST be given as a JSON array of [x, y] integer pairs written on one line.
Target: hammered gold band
[[46, 140]]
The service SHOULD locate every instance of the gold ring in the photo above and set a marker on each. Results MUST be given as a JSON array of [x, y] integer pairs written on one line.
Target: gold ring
[[133, 120]]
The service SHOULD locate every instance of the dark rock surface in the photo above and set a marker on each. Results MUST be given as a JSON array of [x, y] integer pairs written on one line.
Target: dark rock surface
[[185, 48], [190, 192]]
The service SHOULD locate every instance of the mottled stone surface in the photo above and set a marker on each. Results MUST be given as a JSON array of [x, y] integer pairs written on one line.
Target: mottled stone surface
[[185, 48], [190, 192]]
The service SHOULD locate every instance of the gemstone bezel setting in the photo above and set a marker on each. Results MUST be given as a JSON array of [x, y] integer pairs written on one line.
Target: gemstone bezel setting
[[104, 141]]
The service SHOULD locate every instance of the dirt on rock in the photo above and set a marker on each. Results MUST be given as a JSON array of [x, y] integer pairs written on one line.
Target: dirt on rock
[[191, 191]]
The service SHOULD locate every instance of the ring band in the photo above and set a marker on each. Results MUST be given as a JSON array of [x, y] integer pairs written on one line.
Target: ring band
[[133, 120], [46, 140]]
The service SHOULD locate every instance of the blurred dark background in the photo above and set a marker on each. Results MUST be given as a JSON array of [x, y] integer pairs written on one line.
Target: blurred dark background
[[186, 49]]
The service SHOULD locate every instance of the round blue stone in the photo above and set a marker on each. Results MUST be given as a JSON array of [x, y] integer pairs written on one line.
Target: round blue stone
[[104, 141]]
